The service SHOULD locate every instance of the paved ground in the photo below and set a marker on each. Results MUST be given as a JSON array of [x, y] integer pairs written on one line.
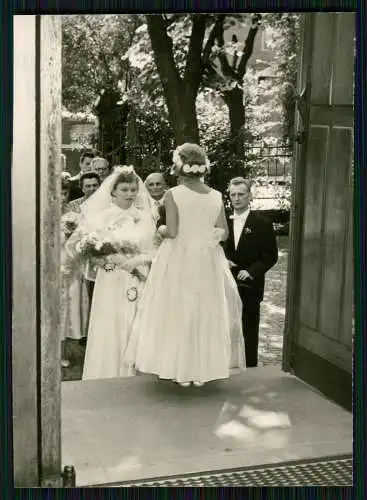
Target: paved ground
[[271, 325], [273, 309]]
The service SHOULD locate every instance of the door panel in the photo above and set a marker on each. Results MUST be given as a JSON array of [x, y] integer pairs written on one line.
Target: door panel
[[335, 232], [311, 249], [321, 72], [320, 324], [343, 81]]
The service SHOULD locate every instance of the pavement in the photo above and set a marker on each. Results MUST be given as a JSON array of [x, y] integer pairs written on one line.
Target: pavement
[[139, 428]]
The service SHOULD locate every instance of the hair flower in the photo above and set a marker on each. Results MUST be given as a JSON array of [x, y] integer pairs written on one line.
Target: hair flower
[[124, 169], [176, 158]]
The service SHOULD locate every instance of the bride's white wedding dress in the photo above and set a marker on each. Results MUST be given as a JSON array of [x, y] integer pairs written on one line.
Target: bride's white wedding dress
[[188, 326], [112, 313]]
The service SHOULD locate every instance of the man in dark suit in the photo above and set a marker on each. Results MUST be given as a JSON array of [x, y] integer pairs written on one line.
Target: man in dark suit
[[252, 250], [85, 166]]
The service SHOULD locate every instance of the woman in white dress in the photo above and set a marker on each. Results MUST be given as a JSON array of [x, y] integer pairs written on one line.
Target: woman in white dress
[[188, 326], [122, 206]]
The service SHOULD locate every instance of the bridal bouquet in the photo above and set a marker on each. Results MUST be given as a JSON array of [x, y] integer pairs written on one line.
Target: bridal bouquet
[[104, 248]]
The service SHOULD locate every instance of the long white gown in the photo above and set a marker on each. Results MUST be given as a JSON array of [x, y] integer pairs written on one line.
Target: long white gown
[[112, 314], [188, 326]]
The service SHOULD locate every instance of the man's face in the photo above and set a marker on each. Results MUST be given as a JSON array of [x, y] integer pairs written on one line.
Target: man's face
[[240, 197], [89, 187], [100, 166], [85, 165], [156, 186]]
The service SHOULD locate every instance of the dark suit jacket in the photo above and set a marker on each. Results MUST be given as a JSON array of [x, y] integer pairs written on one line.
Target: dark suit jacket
[[256, 253], [162, 216], [75, 191]]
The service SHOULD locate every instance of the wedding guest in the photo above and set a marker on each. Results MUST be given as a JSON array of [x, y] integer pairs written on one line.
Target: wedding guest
[[84, 165], [64, 302], [188, 324], [252, 250], [65, 189], [89, 183], [156, 186], [101, 167]]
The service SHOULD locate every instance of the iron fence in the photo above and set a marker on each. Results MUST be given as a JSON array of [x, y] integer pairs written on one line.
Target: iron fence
[[276, 159]]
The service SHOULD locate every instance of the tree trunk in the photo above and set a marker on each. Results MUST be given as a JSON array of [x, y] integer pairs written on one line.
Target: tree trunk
[[112, 119], [179, 93], [234, 100], [185, 124]]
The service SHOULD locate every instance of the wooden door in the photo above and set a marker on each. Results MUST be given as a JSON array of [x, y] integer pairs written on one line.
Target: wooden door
[[318, 334]]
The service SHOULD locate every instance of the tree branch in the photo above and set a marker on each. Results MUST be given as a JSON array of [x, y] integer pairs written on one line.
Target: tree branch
[[226, 68], [249, 47], [170, 20], [163, 50], [194, 67], [215, 33]]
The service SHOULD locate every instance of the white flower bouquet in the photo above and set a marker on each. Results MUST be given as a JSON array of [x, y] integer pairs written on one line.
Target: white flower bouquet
[[104, 248]]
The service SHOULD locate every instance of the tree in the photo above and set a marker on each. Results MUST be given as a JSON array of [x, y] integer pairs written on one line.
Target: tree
[[226, 71], [93, 72], [181, 87]]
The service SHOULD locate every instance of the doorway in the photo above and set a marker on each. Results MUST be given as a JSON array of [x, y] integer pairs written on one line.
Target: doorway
[[37, 375]]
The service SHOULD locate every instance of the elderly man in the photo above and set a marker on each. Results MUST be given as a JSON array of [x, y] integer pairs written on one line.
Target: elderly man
[[84, 165], [157, 187], [101, 167], [252, 250]]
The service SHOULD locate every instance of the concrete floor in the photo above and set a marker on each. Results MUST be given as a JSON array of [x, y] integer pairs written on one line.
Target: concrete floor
[[139, 428]]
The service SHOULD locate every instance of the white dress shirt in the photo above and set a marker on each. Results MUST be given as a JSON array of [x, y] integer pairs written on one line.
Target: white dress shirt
[[155, 204], [239, 221]]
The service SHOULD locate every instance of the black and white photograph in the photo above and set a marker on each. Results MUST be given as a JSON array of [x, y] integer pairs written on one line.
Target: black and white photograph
[[182, 249]]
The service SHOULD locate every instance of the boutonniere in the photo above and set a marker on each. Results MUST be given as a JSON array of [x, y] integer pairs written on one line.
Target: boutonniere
[[248, 230]]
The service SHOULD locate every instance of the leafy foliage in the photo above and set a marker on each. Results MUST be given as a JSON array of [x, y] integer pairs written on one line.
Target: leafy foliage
[[92, 46], [115, 52]]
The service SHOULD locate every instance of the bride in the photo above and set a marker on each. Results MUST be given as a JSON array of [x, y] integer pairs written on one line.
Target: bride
[[121, 206]]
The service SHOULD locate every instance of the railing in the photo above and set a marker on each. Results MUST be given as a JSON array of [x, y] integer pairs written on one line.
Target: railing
[[271, 188], [276, 160]]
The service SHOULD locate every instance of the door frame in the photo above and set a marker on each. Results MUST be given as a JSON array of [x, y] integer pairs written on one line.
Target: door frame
[[36, 211], [43, 230], [297, 198]]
